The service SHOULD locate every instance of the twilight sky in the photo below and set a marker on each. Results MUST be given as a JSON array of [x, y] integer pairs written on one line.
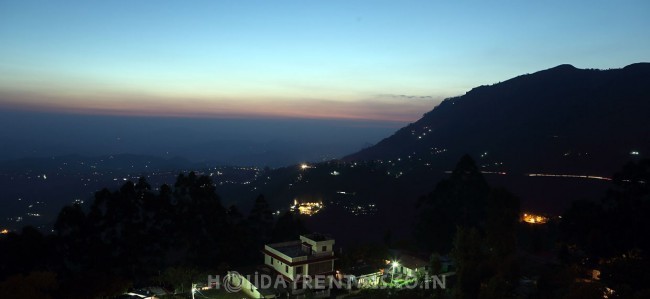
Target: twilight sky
[[371, 60]]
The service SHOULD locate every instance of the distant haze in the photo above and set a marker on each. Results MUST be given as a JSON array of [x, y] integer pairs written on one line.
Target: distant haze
[[259, 142]]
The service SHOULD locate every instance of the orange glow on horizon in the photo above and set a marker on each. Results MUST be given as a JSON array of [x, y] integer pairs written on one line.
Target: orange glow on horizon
[[371, 110]]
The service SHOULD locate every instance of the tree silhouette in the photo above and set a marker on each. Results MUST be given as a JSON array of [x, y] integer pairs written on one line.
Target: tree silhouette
[[288, 227], [614, 231], [502, 219], [468, 253], [32, 285], [260, 220], [459, 200]]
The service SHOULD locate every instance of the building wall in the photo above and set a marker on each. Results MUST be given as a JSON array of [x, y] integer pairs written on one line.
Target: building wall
[[409, 272], [291, 271], [279, 266], [317, 246], [246, 286], [368, 280]]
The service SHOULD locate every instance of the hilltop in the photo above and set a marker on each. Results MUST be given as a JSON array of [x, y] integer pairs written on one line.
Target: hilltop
[[561, 120]]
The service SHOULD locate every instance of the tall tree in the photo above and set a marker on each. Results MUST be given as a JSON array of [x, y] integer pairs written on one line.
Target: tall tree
[[459, 200], [502, 219], [615, 230], [288, 227], [260, 220], [468, 253]]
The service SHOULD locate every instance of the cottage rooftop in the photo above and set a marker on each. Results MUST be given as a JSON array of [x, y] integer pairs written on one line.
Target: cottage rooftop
[[318, 237], [412, 262], [291, 249]]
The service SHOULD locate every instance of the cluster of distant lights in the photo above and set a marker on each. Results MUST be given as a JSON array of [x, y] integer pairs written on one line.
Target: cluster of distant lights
[[495, 172], [367, 209], [534, 218], [356, 208], [594, 177], [15, 219], [123, 179], [311, 208], [436, 150], [346, 193], [234, 182], [29, 174], [412, 157], [552, 175], [425, 130], [307, 208]]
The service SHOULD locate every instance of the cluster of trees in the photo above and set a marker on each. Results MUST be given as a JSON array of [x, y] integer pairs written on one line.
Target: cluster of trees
[[182, 233], [477, 225], [135, 236], [611, 235]]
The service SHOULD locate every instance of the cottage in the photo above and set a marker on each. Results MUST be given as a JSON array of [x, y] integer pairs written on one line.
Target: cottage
[[293, 267]]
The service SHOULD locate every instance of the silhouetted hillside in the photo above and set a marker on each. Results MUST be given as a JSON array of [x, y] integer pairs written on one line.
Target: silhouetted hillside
[[560, 120]]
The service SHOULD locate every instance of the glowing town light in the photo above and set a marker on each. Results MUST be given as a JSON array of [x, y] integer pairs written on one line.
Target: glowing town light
[[4, 231], [304, 166], [307, 208], [534, 219], [634, 153], [608, 293]]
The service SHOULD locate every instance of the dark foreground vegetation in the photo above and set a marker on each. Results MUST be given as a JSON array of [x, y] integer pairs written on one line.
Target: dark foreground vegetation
[[174, 235], [137, 237]]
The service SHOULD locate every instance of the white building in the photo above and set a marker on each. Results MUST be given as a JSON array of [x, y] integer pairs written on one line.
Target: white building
[[363, 276], [408, 265], [307, 263], [303, 261]]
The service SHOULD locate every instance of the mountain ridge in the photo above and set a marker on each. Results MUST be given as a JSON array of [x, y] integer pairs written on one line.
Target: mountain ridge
[[550, 116]]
